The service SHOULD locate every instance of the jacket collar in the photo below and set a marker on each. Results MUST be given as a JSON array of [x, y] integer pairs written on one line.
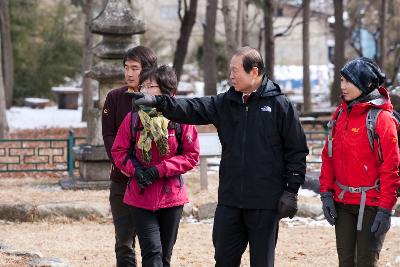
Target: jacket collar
[[266, 89], [378, 98]]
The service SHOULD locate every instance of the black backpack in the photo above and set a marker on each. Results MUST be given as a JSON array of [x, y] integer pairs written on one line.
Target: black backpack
[[370, 122]]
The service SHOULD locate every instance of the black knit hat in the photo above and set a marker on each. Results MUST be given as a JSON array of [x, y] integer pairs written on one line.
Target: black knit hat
[[363, 73]]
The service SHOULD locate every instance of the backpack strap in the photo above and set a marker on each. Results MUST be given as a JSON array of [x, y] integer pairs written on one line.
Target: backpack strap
[[178, 134], [356, 190], [371, 119], [133, 130], [331, 124]]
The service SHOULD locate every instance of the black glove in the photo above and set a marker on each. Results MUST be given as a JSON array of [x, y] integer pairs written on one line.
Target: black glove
[[139, 176], [135, 108], [381, 223], [328, 206], [287, 206], [145, 100], [150, 175]]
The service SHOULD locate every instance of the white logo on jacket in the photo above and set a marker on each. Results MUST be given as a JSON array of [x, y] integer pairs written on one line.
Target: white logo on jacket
[[266, 108], [189, 138]]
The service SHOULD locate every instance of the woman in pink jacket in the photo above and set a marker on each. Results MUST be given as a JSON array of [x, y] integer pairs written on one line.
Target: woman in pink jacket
[[163, 151]]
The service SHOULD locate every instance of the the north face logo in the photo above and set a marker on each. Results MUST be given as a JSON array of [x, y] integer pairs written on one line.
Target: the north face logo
[[266, 108]]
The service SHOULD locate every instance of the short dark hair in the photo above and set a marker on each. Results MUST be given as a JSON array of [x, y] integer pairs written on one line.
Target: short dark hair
[[251, 58], [165, 77], [142, 54]]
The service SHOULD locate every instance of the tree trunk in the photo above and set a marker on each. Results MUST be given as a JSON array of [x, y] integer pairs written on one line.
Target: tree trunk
[[87, 58], [239, 23], [338, 58], [269, 38], [382, 39], [3, 118], [245, 22], [306, 56], [6, 46], [209, 50], [183, 40], [230, 41]]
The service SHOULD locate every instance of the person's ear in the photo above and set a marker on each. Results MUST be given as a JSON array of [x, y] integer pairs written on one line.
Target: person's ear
[[254, 72]]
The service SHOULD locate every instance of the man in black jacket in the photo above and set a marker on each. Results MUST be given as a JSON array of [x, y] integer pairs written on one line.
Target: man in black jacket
[[263, 159]]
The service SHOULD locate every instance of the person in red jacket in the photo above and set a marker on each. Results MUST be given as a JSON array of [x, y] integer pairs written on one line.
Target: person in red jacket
[[117, 104], [156, 192], [358, 190]]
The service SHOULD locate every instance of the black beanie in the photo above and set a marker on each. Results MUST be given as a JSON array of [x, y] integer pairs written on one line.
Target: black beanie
[[363, 73]]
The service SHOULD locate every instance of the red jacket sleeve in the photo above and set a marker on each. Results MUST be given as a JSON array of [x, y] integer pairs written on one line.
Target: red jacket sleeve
[[189, 158], [327, 176], [386, 128], [121, 146]]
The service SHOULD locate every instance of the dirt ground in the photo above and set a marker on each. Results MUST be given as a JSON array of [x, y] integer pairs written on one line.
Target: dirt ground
[[90, 243]]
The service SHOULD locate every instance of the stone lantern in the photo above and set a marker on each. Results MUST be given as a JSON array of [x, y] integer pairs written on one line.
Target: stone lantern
[[117, 25]]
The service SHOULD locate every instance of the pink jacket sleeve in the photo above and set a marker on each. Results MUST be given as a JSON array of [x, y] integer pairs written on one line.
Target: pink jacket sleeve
[[386, 129], [121, 145], [189, 158]]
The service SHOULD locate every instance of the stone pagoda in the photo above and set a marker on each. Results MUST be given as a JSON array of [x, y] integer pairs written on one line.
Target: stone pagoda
[[117, 25]]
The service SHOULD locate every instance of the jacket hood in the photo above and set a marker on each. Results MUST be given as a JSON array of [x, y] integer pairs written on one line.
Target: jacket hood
[[378, 98], [267, 89]]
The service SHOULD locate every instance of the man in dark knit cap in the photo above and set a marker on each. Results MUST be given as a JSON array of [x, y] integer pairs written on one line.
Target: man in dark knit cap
[[116, 106]]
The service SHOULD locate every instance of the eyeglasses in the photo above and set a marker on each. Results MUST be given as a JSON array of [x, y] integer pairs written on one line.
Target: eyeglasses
[[147, 86]]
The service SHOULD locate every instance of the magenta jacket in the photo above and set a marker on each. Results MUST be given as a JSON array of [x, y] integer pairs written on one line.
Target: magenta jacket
[[169, 191]]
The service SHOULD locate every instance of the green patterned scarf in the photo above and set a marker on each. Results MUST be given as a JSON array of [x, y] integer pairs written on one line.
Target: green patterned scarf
[[155, 128]]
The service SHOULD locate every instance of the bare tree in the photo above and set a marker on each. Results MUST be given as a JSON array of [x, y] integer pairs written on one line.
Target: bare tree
[[3, 118], [245, 22], [6, 46], [187, 22], [209, 59], [239, 22], [269, 38], [87, 58], [382, 37], [291, 25], [306, 56], [338, 58], [230, 42]]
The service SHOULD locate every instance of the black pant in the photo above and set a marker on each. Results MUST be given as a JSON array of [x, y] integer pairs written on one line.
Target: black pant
[[356, 248], [124, 227], [157, 232], [235, 227]]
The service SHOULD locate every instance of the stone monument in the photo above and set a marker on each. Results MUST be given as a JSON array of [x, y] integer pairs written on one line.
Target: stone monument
[[117, 25]]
